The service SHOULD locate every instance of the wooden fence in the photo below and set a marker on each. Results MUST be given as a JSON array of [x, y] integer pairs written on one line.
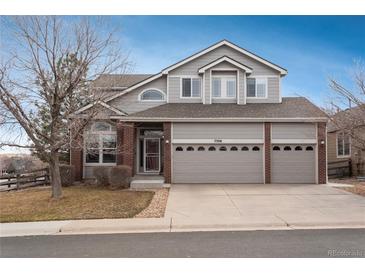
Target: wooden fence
[[24, 180], [340, 169]]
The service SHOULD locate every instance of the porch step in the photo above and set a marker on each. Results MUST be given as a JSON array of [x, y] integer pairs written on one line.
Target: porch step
[[140, 183]]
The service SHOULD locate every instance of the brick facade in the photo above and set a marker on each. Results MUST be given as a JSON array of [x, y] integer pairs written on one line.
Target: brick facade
[[167, 152], [120, 127], [126, 138], [76, 156], [322, 153], [267, 147]]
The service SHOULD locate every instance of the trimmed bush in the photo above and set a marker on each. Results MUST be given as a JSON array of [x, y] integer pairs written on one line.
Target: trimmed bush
[[120, 177], [102, 175], [67, 173]]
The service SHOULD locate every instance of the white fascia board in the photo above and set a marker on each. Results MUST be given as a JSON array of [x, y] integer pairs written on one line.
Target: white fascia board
[[113, 108], [217, 141], [293, 141], [235, 119], [225, 59], [224, 42]]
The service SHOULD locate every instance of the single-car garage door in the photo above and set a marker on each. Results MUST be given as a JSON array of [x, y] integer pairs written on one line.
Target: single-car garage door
[[293, 164], [211, 163]]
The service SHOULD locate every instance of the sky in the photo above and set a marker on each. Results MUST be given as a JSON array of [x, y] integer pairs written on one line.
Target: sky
[[311, 48]]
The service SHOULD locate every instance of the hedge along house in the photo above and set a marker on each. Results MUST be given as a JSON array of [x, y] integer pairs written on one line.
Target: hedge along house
[[215, 117]]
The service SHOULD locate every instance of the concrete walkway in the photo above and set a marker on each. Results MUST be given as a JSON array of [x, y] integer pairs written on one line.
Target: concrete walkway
[[224, 207]]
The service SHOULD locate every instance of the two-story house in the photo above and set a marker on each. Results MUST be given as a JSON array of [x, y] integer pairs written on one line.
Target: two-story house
[[217, 116]]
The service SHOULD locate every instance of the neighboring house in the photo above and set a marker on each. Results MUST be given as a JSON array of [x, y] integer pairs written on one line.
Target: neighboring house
[[345, 157], [215, 117]]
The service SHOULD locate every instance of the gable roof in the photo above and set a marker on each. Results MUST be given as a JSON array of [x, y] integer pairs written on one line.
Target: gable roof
[[186, 60], [225, 59], [339, 121], [291, 109], [231, 45]]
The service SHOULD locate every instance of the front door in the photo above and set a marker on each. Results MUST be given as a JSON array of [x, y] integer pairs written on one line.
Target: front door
[[151, 154]]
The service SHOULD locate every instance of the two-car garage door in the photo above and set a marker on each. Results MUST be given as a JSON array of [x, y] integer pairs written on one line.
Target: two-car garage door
[[217, 153], [209, 163]]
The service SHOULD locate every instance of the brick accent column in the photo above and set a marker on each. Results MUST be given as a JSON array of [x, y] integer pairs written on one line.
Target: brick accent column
[[267, 147], [76, 156], [120, 143], [167, 152], [128, 145], [322, 153]]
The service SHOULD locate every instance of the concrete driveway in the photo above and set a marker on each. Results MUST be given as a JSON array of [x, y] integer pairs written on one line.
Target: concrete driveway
[[227, 206]]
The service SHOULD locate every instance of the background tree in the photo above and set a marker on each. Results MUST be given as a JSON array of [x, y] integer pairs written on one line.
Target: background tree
[[46, 67], [347, 111]]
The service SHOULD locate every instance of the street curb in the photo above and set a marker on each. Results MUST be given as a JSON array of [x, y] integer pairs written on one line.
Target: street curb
[[149, 225]]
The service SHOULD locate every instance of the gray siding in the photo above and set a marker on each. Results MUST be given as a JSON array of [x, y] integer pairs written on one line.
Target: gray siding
[[193, 66], [217, 131], [175, 91], [293, 166], [217, 166], [129, 102], [206, 87], [273, 92], [293, 131]]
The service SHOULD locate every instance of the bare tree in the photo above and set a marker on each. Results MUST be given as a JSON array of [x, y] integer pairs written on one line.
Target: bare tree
[[45, 77], [351, 120]]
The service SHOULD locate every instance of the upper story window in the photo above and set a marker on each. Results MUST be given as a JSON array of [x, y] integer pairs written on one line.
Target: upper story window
[[343, 145], [257, 87], [224, 87], [191, 88], [152, 95]]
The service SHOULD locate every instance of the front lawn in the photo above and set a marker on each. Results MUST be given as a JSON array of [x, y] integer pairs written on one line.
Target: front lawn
[[78, 202]]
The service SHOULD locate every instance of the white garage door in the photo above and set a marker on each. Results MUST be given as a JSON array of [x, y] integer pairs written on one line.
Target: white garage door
[[293, 164], [217, 163]]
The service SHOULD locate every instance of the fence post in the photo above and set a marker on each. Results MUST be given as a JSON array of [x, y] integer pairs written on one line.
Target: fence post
[[17, 181]]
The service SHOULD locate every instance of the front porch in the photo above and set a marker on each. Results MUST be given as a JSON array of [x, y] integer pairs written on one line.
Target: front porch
[[146, 181], [145, 147]]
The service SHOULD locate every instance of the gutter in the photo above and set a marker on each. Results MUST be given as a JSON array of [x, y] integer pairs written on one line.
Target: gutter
[[233, 119]]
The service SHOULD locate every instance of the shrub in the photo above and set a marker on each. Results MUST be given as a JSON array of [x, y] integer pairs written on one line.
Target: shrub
[[102, 175], [67, 173], [120, 177]]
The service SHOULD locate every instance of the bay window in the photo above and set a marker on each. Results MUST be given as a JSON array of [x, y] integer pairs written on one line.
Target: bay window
[[101, 144]]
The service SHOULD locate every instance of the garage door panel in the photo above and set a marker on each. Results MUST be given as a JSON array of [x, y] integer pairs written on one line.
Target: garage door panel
[[293, 166], [217, 166]]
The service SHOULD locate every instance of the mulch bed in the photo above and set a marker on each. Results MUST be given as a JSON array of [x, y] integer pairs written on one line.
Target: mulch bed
[[157, 207]]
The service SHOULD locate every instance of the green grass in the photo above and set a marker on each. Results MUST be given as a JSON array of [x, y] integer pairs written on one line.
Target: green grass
[[78, 202]]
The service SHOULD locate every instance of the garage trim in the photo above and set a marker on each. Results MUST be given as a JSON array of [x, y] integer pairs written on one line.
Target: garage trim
[[293, 141], [218, 141]]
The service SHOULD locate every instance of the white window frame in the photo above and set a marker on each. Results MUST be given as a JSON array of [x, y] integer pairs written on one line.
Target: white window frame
[[257, 78], [191, 94], [100, 135], [155, 89], [343, 144], [224, 79]]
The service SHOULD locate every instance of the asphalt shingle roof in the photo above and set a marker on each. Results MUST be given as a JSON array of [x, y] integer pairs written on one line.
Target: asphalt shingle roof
[[119, 80], [291, 107]]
